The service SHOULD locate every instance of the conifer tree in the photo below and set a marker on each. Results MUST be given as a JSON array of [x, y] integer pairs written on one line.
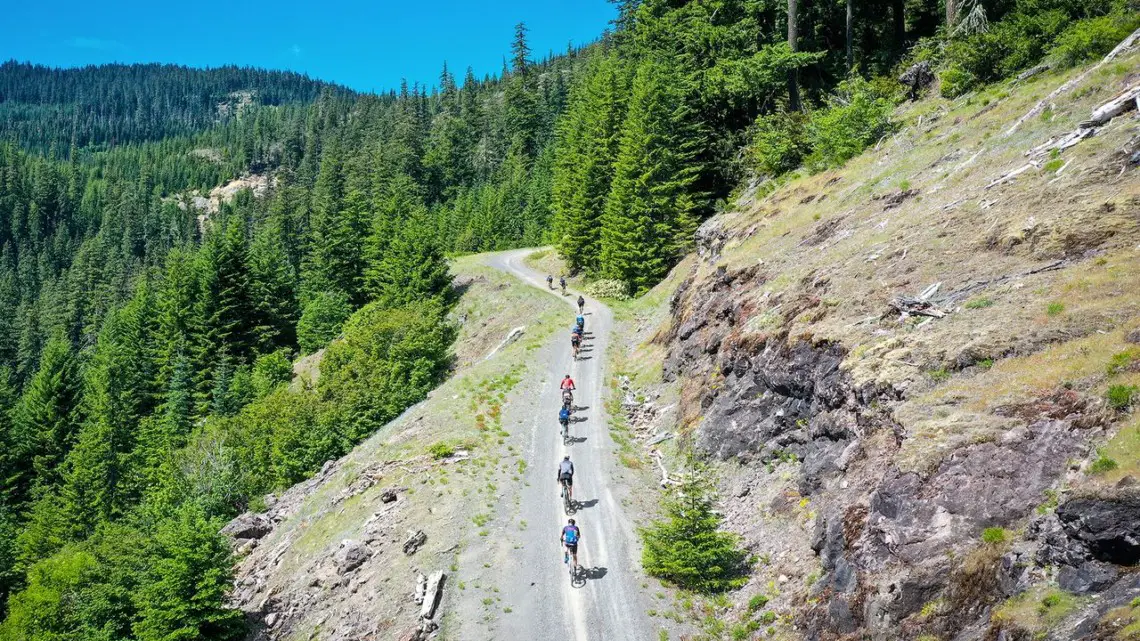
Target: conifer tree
[[272, 287], [587, 147], [650, 214], [337, 232], [44, 423], [521, 103], [413, 267], [183, 594]]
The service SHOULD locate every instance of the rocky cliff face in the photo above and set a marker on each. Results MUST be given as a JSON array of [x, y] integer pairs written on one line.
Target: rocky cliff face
[[919, 402]]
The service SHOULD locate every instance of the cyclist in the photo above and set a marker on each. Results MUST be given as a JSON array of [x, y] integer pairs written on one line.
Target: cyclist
[[570, 537], [562, 282], [575, 343], [564, 418], [550, 281], [567, 383], [566, 476], [581, 304], [580, 323]]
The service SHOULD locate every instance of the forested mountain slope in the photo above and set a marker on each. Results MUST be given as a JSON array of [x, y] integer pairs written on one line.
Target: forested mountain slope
[[917, 376], [111, 105], [147, 349]]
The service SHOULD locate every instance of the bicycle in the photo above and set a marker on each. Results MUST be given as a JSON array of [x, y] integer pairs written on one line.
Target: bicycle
[[566, 433], [567, 502]]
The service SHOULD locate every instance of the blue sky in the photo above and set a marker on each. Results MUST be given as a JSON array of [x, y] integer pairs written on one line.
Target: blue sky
[[365, 45]]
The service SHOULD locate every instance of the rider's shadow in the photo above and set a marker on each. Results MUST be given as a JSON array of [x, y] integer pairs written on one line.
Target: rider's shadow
[[575, 439], [585, 505], [585, 358], [578, 419], [588, 574]]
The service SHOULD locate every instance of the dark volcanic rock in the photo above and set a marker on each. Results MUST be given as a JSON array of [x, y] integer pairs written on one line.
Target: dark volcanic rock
[[1108, 527], [1089, 577], [768, 407]]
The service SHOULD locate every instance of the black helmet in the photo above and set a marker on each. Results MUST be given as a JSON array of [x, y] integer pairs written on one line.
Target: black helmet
[[571, 521]]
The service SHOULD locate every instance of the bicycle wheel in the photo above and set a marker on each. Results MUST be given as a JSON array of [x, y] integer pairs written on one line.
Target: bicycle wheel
[[567, 504]]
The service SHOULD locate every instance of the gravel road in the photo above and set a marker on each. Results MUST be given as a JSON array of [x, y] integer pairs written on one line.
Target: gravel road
[[609, 604]]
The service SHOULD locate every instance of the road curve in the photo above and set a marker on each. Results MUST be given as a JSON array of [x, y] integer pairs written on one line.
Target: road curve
[[610, 605]]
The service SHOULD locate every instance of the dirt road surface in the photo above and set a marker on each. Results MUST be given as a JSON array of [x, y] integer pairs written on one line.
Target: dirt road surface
[[608, 603]]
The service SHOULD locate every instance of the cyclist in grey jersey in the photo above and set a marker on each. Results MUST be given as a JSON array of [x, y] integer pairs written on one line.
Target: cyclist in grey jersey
[[566, 473]]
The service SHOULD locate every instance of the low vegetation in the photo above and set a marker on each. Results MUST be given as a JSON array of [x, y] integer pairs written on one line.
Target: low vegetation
[[687, 547]]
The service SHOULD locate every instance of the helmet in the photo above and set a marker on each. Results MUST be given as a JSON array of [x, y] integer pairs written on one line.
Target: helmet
[[566, 458], [571, 521]]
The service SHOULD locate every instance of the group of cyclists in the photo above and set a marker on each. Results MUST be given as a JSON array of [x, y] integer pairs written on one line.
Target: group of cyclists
[[571, 534]]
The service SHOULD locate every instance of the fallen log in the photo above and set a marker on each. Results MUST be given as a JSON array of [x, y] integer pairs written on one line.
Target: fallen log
[[1011, 175], [915, 307], [1124, 45], [1121, 104], [431, 595]]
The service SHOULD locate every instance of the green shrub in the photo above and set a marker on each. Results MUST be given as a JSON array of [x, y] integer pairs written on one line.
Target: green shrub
[[994, 535], [441, 450], [779, 143], [687, 547], [271, 370], [955, 81], [1054, 309], [856, 116], [756, 602], [939, 375], [1102, 465], [1120, 362], [387, 360], [606, 288], [1092, 38], [321, 320], [979, 303], [1121, 396]]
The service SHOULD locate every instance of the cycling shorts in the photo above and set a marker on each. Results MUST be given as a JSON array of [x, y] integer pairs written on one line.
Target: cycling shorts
[[567, 477], [572, 548]]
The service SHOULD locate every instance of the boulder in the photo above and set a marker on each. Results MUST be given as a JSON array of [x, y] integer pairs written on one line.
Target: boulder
[[1090, 577], [1108, 527], [248, 526], [414, 541], [351, 555]]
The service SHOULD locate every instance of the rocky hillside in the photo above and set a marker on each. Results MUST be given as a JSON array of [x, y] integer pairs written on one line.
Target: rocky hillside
[[918, 374], [352, 552]]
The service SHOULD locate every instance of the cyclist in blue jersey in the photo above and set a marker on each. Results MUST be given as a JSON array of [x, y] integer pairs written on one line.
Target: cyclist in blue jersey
[[571, 535]]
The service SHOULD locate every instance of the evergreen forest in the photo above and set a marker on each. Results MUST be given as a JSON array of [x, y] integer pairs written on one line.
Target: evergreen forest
[[147, 349]]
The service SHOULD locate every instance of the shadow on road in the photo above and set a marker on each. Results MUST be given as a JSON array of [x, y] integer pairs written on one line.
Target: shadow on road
[[588, 574], [576, 439], [584, 505]]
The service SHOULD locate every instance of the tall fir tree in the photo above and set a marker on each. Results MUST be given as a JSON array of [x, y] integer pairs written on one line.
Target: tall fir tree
[[272, 287], [413, 267], [651, 210], [44, 423], [587, 146]]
